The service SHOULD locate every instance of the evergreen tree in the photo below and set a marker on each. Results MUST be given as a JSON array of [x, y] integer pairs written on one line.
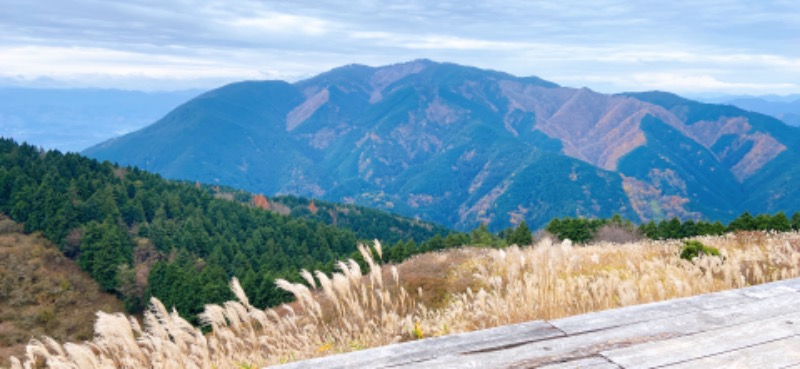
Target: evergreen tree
[[649, 230], [520, 236], [744, 222], [780, 222], [105, 246]]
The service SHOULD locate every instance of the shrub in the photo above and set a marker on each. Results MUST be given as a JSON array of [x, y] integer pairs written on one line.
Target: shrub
[[617, 233], [692, 249]]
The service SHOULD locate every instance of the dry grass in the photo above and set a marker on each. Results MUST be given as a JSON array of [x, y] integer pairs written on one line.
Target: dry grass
[[470, 289], [43, 293]]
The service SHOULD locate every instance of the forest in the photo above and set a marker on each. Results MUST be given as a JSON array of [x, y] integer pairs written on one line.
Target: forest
[[139, 235], [584, 230]]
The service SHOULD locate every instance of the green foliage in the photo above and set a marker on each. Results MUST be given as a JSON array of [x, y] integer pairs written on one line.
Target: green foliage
[[780, 222], [366, 223], [674, 229], [578, 230], [692, 249], [520, 236], [481, 236], [192, 239], [764, 222], [96, 212], [104, 247], [582, 230]]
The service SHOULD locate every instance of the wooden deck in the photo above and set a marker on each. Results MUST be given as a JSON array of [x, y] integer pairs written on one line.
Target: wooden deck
[[756, 327]]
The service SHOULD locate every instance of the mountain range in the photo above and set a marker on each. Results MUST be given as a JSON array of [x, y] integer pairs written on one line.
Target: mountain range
[[785, 108], [462, 146]]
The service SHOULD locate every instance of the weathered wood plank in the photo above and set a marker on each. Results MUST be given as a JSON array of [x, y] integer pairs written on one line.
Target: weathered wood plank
[[594, 362], [619, 333], [593, 342], [663, 309], [706, 343], [784, 353], [652, 311], [770, 289], [414, 353], [793, 283]]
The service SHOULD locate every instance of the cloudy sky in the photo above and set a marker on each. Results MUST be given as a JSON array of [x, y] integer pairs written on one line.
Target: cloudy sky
[[684, 46]]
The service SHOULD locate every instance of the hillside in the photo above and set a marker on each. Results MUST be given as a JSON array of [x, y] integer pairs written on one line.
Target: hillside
[[462, 146], [366, 223], [139, 235], [43, 293]]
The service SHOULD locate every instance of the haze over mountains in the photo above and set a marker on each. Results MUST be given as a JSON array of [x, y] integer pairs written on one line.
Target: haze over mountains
[[74, 119], [785, 108], [462, 146]]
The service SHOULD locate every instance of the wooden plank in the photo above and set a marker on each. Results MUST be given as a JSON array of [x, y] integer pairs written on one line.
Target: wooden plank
[[783, 353], [416, 352], [591, 343], [675, 307], [652, 311], [708, 342], [594, 362], [540, 343], [793, 283], [770, 290]]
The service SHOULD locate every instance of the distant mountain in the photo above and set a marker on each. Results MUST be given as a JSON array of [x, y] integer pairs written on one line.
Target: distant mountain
[[785, 110], [462, 146], [74, 119]]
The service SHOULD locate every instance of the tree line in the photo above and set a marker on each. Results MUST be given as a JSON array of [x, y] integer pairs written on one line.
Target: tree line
[[583, 230]]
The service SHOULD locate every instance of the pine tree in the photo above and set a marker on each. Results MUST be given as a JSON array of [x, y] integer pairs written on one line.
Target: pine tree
[[521, 235], [780, 222]]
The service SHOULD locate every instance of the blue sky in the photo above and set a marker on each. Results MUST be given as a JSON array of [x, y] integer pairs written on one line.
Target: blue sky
[[689, 47]]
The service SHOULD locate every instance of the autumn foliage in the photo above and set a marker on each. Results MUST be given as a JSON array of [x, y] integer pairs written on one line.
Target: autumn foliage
[[261, 202]]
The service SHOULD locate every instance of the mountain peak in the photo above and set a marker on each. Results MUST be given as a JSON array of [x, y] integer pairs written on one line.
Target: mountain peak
[[462, 145]]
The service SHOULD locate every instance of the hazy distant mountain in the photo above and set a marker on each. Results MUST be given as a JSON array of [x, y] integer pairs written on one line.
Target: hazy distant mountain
[[787, 111], [460, 145], [785, 108], [74, 119]]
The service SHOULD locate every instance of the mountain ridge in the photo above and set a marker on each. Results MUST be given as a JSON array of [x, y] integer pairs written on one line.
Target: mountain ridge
[[461, 146]]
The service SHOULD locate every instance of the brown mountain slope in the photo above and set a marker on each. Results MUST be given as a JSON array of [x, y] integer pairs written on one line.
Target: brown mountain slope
[[43, 293]]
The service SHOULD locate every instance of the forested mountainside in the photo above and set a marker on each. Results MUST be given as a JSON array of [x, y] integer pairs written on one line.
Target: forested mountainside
[[462, 146], [366, 223], [139, 235]]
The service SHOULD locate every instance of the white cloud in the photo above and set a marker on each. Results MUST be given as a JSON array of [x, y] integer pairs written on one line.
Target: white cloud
[[719, 44], [282, 24]]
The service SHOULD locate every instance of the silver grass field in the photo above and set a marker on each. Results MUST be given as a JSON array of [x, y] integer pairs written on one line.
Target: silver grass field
[[355, 309]]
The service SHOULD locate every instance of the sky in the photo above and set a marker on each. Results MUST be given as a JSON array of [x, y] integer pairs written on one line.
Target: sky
[[689, 47]]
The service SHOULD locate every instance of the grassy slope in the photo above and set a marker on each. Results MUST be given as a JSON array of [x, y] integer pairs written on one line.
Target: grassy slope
[[43, 293], [463, 290]]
